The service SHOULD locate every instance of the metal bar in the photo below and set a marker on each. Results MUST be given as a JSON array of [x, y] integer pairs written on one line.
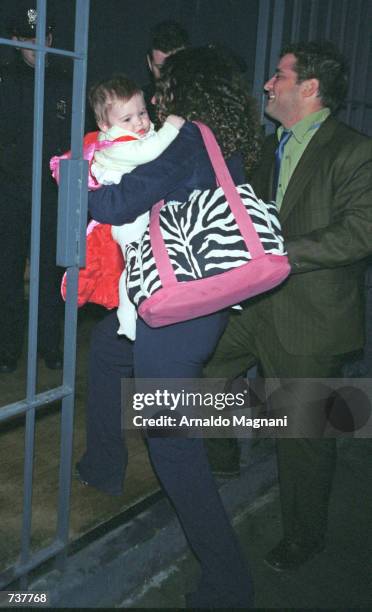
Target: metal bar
[[27, 492], [329, 19], [72, 200], [275, 47], [77, 132], [34, 283], [36, 47], [38, 134], [34, 561], [313, 21], [296, 21], [47, 397], [363, 67], [341, 36], [33, 401], [276, 34], [353, 63], [261, 54]]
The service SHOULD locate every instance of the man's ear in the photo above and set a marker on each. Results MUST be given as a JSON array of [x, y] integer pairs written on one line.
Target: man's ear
[[149, 62], [310, 88], [49, 39]]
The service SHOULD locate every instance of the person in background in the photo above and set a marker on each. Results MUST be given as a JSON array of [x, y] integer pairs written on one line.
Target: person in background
[[308, 327], [16, 129], [166, 38]]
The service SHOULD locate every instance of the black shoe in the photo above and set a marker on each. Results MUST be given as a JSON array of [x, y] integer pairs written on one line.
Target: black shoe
[[289, 555], [116, 492], [76, 474], [7, 365], [53, 359]]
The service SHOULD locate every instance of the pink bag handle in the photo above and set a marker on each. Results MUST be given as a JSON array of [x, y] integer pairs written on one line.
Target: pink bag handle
[[243, 220], [163, 263]]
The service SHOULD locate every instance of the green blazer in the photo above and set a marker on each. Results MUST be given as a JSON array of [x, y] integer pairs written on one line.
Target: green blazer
[[326, 218]]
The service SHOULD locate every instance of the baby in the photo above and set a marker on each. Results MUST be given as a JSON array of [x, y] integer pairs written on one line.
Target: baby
[[126, 139]]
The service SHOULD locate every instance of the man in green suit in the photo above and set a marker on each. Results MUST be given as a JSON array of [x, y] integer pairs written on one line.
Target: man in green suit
[[307, 327]]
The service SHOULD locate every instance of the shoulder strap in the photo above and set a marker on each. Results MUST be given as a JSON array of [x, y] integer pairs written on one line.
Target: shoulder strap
[[159, 250], [225, 181]]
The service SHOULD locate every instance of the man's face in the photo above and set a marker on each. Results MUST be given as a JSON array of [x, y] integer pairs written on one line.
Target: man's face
[[130, 115], [284, 99], [157, 59], [28, 55]]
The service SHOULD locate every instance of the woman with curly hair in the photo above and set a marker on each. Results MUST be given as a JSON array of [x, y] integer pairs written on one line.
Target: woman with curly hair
[[198, 84]]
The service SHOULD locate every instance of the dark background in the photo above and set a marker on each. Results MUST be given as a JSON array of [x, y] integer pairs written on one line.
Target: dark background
[[119, 29], [119, 36]]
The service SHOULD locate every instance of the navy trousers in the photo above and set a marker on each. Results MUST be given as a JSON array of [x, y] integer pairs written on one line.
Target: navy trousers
[[181, 464], [110, 359]]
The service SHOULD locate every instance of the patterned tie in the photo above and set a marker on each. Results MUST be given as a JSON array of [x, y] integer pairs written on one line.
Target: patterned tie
[[286, 134]]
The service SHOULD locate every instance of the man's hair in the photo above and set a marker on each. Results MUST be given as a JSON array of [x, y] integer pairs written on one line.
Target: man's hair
[[322, 61], [103, 94], [168, 36], [202, 84]]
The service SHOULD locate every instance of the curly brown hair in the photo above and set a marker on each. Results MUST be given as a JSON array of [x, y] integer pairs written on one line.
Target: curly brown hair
[[204, 84]]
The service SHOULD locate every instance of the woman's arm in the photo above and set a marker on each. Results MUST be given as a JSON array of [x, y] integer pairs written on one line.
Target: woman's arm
[[139, 191]]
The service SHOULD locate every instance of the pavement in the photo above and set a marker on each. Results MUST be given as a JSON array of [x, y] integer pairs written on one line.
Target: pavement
[[145, 563]]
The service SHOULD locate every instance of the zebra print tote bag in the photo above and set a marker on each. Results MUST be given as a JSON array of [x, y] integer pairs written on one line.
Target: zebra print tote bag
[[221, 247]]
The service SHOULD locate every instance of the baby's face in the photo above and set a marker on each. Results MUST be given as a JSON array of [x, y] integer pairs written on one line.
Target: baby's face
[[130, 115]]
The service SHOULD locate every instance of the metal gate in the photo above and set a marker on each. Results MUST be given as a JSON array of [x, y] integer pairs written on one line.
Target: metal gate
[[72, 214]]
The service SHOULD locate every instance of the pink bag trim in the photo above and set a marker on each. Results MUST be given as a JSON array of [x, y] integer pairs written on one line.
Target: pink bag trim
[[197, 298], [159, 251]]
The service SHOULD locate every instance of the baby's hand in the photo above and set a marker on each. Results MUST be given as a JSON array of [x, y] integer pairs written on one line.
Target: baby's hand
[[176, 121]]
